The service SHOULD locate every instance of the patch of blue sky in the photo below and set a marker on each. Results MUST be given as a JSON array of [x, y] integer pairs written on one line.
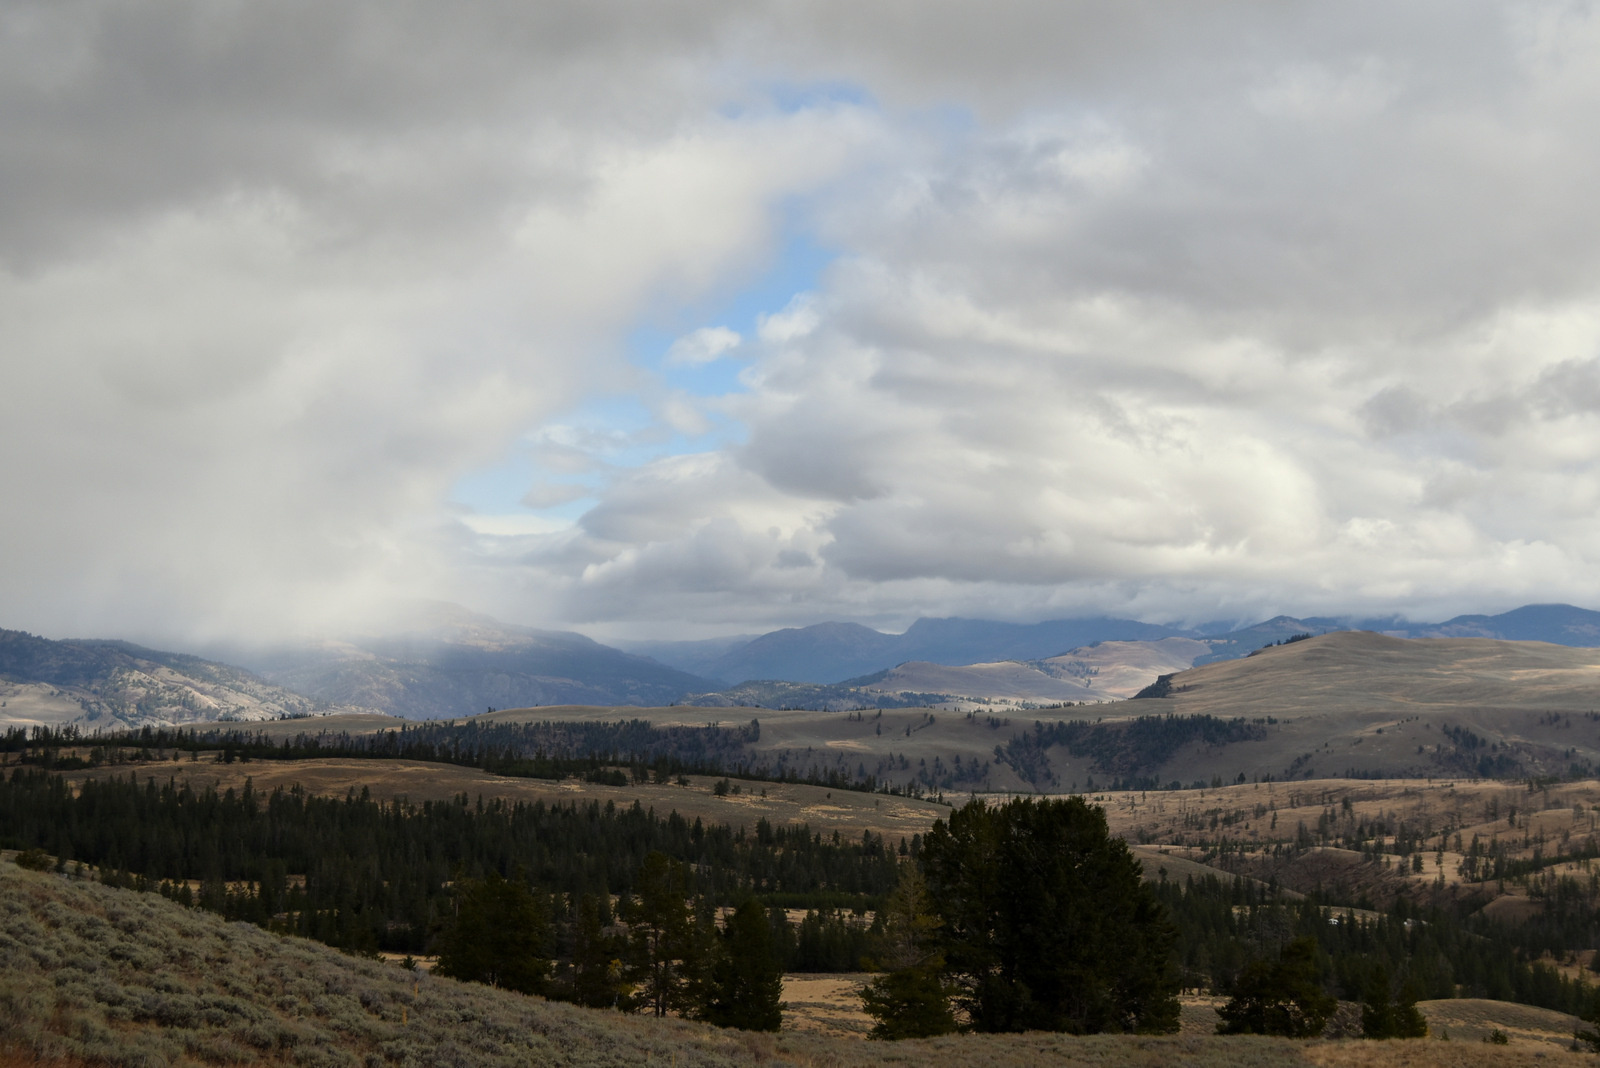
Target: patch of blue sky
[[791, 97], [796, 269], [621, 430]]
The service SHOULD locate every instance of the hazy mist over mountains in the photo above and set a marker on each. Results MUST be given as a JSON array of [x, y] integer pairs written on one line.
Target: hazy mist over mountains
[[454, 663]]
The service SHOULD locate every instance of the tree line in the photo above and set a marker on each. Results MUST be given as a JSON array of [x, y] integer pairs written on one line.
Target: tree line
[[1026, 915]]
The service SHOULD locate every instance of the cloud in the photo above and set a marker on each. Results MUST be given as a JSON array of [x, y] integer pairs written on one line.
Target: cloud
[[1252, 308], [273, 280], [703, 346], [1315, 331]]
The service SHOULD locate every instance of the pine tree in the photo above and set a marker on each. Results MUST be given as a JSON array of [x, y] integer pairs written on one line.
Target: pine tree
[[1047, 922], [1284, 997], [661, 933], [746, 985], [1385, 1016], [596, 959], [497, 936], [910, 1001]]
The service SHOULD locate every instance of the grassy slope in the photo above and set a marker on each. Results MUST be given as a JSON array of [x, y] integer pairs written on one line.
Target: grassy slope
[[1343, 701], [847, 811], [1360, 669], [91, 975]]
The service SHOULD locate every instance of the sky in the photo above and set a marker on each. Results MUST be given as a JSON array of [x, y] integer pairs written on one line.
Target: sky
[[693, 318]]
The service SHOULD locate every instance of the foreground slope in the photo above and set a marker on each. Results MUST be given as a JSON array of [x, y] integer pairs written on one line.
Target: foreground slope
[[90, 975]]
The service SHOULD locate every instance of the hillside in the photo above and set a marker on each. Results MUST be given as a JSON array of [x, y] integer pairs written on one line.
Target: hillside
[[110, 684], [1559, 624], [1365, 704], [1360, 671], [1106, 671], [830, 652], [450, 662], [1353, 704], [91, 975]]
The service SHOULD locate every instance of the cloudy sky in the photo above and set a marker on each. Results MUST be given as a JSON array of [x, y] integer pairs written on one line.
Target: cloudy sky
[[689, 318]]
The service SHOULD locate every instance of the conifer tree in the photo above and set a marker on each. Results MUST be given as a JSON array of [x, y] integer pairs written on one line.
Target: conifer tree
[[911, 1000], [596, 959], [1047, 922], [1282, 997], [1385, 1016], [497, 935], [746, 977], [662, 942]]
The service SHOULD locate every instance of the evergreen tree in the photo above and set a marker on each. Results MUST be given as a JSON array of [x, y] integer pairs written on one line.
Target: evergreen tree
[[1383, 1015], [596, 959], [746, 977], [910, 1001], [662, 942], [1047, 922], [497, 936], [1284, 997]]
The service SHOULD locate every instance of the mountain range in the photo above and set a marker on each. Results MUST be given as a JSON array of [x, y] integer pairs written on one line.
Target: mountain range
[[446, 661], [113, 684]]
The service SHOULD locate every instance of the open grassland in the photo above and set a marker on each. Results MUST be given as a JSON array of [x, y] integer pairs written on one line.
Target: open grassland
[[1344, 834], [849, 812], [1345, 704], [90, 975], [1282, 831], [1354, 670]]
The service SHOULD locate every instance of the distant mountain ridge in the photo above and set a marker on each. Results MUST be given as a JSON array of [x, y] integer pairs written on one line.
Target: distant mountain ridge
[[826, 653], [448, 661], [835, 653], [452, 662], [113, 684]]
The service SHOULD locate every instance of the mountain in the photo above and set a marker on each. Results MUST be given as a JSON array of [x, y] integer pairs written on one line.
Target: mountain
[[112, 684], [1246, 640], [452, 662], [826, 652], [831, 652], [1105, 671], [1559, 624], [697, 657]]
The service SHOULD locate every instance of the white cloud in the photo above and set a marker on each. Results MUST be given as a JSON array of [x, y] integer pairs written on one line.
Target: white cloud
[[1312, 332], [703, 346], [1244, 308]]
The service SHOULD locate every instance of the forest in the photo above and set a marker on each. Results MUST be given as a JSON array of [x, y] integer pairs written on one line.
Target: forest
[[366, 876]]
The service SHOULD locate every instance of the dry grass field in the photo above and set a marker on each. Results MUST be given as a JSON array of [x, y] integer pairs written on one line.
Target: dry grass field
[[1325, 707], [1251, 818], [849, 812], [90, 975], [1239, 829]]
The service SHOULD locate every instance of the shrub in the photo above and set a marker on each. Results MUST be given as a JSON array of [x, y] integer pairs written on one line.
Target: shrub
[[35, 860]]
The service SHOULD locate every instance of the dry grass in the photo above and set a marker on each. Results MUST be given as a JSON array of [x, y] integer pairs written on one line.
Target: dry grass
[[90, 975], [1472, 1019], [847, 811]]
